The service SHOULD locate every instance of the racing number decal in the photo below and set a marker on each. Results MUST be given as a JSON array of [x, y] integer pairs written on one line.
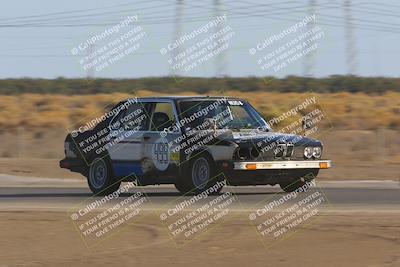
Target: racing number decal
[[161, 154]]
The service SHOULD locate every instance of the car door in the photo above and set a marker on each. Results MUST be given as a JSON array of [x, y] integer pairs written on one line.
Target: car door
[[126, 147], [161, 139]]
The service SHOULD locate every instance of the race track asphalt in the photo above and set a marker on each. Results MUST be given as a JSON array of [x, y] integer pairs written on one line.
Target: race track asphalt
[[19, 193]]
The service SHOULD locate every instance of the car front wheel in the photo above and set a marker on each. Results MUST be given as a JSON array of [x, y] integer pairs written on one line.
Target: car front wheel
[[200, 176]]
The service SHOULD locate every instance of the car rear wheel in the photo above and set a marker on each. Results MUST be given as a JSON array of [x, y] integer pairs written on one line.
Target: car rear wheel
[[101, 178]]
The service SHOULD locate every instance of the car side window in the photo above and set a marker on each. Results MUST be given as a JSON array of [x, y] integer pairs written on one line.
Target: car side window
[[132, 118], [162, 117], [135, 118]]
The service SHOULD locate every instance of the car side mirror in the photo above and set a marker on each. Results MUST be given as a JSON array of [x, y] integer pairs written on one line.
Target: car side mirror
[[305, 123]]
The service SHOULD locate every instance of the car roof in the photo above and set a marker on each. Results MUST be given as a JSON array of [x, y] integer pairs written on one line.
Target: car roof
[[195, 97]]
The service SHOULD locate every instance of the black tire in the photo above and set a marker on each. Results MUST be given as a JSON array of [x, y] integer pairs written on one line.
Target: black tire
[[181, 187], [199, 176], [100, 177]]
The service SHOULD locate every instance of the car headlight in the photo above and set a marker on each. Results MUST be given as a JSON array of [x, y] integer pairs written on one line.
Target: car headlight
[[308, 152], [317, 152]]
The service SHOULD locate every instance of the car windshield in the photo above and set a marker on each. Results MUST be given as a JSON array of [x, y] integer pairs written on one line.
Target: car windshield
[[224, 114]]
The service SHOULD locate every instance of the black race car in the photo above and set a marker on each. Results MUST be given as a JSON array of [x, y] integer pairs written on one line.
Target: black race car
[[191, 142]]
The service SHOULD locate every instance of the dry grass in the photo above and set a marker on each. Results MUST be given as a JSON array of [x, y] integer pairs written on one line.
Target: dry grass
[[360, 144], [344, 110]]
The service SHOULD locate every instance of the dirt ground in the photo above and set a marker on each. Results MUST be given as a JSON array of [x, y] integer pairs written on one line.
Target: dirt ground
[[50, 239], [36, 167]]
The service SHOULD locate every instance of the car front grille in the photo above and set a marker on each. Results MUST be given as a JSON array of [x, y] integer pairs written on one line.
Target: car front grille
[[278, 152]]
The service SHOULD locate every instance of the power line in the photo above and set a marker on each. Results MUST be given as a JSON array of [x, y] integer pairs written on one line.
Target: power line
[[71, 11], [195, 19], [85, 17]]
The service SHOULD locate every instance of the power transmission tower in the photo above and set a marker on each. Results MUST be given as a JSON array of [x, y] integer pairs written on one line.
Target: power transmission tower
[[309, 60], [178, 32], [220, 60], [90, 70], [351, 52]]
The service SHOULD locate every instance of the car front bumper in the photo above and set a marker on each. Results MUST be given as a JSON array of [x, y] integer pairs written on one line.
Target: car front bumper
[[282, 165]]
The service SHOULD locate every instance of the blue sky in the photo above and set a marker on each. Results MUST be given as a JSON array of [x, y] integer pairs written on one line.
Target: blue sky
[[44, 51]]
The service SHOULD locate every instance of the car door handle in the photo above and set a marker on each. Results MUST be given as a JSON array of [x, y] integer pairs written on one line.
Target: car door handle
[[146, 138]]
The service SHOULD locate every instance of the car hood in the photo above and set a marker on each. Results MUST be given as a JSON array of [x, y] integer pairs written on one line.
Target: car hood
[[258, 137]]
